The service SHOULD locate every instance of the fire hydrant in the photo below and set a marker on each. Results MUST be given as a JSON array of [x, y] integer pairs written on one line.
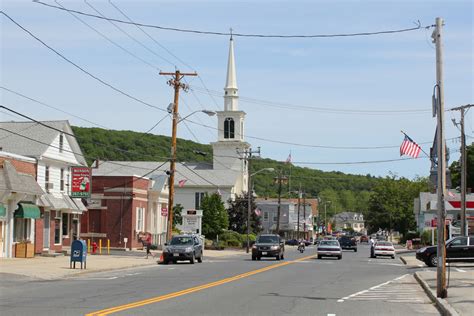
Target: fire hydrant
[[94, 248]]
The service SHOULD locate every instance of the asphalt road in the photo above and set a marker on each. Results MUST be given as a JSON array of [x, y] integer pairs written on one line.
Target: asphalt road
[[298, 285]]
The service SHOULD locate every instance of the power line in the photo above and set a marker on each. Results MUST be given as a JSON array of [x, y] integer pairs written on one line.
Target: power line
[[417, 27], [80, 68]]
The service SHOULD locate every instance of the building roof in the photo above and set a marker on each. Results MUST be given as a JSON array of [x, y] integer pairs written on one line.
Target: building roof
[[195, 174], [347, 217], [32, 139], [13, 181]]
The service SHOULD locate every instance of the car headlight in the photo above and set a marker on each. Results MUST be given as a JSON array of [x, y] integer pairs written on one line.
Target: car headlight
[[189, 249], [274, 247], [254, 247]]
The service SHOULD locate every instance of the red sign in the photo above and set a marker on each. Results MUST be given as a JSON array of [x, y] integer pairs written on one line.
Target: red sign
[[434, 222], [80, 182], [164, 211], [457, 204]]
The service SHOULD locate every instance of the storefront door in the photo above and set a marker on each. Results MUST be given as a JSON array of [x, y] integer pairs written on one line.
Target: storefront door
[[46, 230]]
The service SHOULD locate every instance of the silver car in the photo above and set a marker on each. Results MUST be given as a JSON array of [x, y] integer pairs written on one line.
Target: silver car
[[183, 248], [329, 248]]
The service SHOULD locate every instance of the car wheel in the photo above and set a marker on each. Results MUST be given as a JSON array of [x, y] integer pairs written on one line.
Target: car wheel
[[282, 256], [165, 261], [355, 250], [319, 257], [277, 257], [200, 259], [393, 257], [192, 259], [258, 258], [433, 261], [254, 258]]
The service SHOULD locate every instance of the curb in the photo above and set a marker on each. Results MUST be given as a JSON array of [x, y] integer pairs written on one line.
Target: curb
[[443, 306], [403, 260]]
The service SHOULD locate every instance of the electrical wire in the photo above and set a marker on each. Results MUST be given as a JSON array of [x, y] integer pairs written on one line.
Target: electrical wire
[[80, 68], [417, 27]]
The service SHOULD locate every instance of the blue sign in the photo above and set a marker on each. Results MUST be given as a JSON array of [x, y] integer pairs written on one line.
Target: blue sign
[[78, 253]]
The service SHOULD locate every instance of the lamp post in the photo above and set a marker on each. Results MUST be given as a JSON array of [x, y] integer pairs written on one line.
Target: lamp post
[[174, 111], [249, 202]]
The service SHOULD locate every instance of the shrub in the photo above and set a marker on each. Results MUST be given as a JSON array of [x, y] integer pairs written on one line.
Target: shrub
[[233, 243], [409, 236], [230, 235]]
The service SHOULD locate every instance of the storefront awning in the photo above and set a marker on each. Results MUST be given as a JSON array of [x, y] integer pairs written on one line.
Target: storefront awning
[[27, 210], [3, 210]]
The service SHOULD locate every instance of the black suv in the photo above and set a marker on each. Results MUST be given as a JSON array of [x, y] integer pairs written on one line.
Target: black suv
[[183, 247], [268, 246], [458, 249], [347, 242]]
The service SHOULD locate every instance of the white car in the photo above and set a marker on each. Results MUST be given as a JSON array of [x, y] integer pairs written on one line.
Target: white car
[[384, 248], [329, 248]]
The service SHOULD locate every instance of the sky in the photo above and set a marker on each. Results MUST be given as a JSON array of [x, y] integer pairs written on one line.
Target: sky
[[301, 95]]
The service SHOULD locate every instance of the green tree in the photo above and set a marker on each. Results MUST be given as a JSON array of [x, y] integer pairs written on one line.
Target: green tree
[[237, 212], [214, 216], [177, 218], [455, 169], [391, 204]]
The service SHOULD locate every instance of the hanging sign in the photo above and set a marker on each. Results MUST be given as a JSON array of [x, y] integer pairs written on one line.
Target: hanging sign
[[80, 182]]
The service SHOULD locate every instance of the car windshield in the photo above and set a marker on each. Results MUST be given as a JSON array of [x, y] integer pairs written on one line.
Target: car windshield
[[267, 239], [329, 243], [181, 241]]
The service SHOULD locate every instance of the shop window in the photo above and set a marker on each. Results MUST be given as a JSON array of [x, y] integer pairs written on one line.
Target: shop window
[[62, 180], [57, 228], [65, 225], [140, 225], [265, 216], [21, 229]]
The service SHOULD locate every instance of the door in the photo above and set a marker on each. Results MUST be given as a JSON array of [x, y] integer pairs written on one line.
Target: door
[[457, 249], [46, 230]]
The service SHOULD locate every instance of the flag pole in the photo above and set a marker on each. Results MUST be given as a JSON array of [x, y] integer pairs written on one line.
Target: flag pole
[[420, 147]]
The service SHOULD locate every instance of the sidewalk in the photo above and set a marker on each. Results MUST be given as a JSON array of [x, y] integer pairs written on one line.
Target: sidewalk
[[460, 300], [50, 268]]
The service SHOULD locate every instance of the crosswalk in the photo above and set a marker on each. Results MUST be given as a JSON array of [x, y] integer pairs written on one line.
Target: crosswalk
[[404, 289]]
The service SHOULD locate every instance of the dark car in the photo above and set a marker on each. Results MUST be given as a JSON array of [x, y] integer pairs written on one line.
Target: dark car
[[183, 248], [292, 242], [348, 242], [458, 249], [268, 246]]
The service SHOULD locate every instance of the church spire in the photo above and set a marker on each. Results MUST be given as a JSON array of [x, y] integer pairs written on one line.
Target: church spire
[[231, 96]]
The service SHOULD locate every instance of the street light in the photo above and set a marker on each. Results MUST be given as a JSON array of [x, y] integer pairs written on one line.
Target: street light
[[172, 108], [249, 202]]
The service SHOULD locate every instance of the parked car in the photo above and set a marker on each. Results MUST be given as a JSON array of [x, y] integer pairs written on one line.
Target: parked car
[[268, 246], [348, 242], [292, 242], [458, 249], [183, 248], [329, 248], [364, 238], [307, 243], [384, 248]]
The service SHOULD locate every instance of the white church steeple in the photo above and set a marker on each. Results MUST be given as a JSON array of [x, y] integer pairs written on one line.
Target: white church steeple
[[231, 97]]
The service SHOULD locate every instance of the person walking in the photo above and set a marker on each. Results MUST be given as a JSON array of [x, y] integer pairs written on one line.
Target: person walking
[[372, 247], [147, 244]]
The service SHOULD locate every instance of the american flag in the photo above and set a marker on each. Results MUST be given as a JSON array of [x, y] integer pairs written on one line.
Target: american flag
[[181, 183], [409, 148], [258, 212]]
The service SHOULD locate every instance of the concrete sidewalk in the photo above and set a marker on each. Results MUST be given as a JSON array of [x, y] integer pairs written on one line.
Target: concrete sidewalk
[[460, 300], [50, 268]]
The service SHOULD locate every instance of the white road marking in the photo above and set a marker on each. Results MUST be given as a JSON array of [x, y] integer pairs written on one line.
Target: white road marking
[[331, 314], [460, 270]]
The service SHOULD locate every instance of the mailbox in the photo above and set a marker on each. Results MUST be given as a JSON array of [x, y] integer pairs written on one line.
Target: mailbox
[[78, 253]]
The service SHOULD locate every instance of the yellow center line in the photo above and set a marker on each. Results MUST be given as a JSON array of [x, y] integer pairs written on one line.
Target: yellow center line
[[152, 300]]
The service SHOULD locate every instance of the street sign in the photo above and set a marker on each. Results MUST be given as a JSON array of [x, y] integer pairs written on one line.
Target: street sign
[[80, 182], [164, 211]]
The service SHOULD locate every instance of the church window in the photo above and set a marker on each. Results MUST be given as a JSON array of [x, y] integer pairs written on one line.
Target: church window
[[229, 129]]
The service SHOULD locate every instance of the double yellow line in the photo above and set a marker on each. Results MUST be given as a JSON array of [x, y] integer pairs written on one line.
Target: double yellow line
[[192, 290]]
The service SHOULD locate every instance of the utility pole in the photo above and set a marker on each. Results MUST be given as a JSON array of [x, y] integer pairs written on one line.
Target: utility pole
[[248, 158], [463, 110], [304, 215], [174, 82], [281, 178], [441, 290], [299, 206]]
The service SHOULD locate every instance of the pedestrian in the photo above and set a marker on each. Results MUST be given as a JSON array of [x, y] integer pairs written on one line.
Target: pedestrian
[[372, 247], [147, 244]]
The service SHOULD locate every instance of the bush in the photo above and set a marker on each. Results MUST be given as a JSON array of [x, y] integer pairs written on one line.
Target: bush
[[409, 236], [233, 243], [426, 237], [230, 235]]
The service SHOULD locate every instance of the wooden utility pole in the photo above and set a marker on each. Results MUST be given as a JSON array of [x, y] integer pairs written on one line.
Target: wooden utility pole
[[463, 109], [281, 178], [441, 290], [304, 215], [175, 82], [299, 207], [248, 157]]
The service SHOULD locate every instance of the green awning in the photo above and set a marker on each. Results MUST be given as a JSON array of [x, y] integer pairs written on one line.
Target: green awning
[[27, 210], [3, 210]]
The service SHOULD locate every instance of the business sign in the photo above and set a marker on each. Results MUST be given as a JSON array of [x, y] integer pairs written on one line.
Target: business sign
[[81, 182], [164, 211]]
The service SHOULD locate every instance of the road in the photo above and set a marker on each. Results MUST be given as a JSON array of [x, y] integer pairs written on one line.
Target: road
[[298, 285]]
